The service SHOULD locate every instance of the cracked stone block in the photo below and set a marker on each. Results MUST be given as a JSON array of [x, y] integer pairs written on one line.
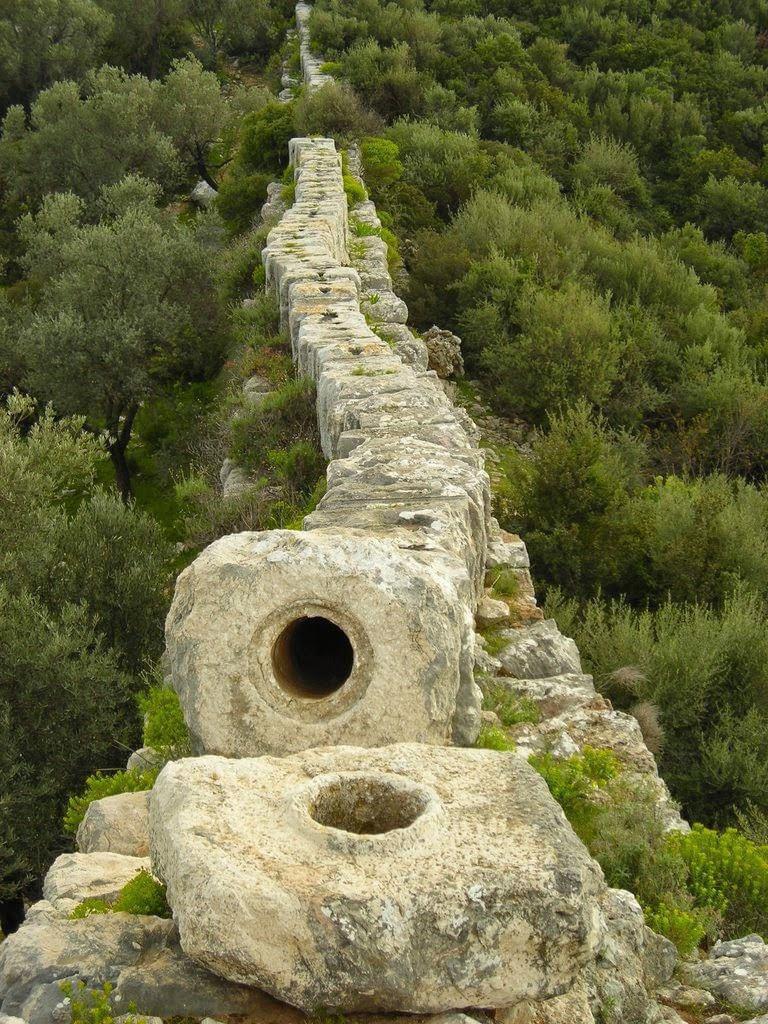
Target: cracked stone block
[[404, 878]]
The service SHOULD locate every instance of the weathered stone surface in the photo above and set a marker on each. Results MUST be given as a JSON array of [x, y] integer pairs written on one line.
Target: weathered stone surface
[[203, 194], [407, 878], [444, 352], [144, 759], [236, 481], [491, 612], [506, 549], [736, 972], [74, 877], [685, 997], [282, 641], [538, 651], [556, 694], [115, 824], [139, 955], [405, 344]]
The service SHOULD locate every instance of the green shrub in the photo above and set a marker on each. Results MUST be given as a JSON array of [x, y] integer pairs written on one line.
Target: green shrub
[[728, 873], [504, 582], [572, 780], [164, 727], [354, 189], [142, 895], [381, 163], [510, 709], [679, 924], [98, 786], [491, 737], [240, 199], [334, 110], [264, 138], [298, 466]]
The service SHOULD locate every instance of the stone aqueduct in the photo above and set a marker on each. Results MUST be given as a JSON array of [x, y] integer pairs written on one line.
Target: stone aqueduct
[[337, 842]]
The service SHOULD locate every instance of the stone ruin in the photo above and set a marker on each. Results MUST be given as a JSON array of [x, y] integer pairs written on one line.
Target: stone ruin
[[336, 843]]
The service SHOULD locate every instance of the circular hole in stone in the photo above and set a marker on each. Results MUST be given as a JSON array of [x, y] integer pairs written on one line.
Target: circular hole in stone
[[367, 806], [312, 657]]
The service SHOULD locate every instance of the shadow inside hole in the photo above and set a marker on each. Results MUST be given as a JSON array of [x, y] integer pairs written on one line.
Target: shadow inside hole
[[312, 657]]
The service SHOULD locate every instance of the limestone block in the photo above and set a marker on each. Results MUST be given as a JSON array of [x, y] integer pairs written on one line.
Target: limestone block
[[115, 824], [139, 954], [405, 344], [444, 350], [491, 612], [537, 651], [403, 878], [74, 877], [507, 549], [281, 641], [385, 307], [736, 972]]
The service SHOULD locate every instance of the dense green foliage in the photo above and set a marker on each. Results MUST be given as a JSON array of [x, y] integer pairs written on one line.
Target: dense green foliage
[[83, 598], [691, 885]]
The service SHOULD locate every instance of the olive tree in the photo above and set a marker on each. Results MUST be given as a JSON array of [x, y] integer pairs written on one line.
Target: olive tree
[[42, 41], [124, 309], [83, 593]]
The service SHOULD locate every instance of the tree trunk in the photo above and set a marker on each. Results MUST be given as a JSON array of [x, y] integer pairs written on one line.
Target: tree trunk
[[122, 471], [11, 915], [202, 170]]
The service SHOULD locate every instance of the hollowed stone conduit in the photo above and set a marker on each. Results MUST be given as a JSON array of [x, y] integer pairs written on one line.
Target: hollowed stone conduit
[[403, 468]]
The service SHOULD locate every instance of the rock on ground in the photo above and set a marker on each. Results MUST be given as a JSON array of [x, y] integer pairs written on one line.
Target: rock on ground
[[444, 352], [736, 972], [74, 877], [203, 195], [405, 878], [115, 824], [139, 955]]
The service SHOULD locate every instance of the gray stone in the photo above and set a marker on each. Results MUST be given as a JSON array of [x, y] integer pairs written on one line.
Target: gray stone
[[404, 878], [506, 550], [736, 972], [538, 651], [686, 997], [144, 759], [74, 877], [140, 956], [115, 824], [444, 352], [236, 481], [491, 612], [203, 195], [282, 641]]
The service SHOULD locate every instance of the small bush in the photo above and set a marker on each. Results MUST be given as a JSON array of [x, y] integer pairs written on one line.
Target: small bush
[[265, 136], [509, 709], [164, 727], [260, 432], [142, 895], [98, 786], [334, 110], [728, 873], [381, 163], [572, 780], [679, 924], [240, 199], [93, 1006], [355, 191], [491, 737]]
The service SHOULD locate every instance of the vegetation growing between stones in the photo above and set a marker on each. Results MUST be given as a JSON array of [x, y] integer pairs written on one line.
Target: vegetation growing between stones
[[143, 894], [98, 786]]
